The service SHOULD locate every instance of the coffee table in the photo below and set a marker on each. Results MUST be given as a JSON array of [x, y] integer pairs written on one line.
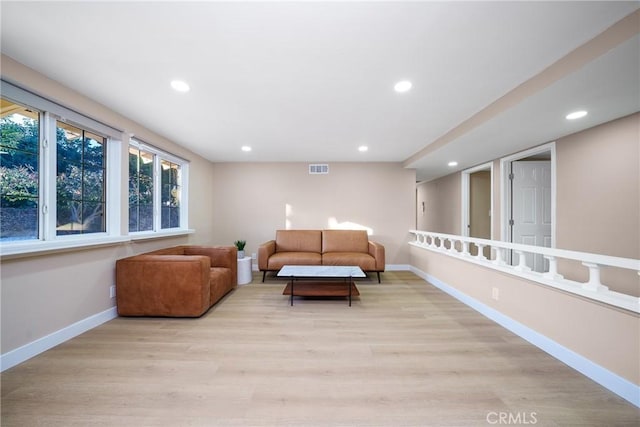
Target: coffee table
[[321, 280]]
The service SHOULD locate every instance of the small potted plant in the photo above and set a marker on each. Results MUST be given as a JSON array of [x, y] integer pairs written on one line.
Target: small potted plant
[[240, 245]]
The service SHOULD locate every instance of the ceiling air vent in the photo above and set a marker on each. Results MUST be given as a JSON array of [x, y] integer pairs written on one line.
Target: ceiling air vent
[[318, 169]]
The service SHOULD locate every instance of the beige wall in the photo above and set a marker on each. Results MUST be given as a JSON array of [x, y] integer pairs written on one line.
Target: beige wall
[[598, 197], [441, 198], [252, 200], [443, 204], [43, 294], [607, 336]]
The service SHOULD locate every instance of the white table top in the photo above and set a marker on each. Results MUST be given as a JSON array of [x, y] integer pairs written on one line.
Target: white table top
[[321, 271]]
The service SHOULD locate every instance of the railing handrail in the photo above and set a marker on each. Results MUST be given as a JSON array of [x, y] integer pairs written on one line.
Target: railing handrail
[[592, 289], [612, 261]]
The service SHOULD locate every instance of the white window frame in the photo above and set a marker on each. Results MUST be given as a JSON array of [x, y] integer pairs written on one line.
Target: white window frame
[[160, 155], [116, 209]]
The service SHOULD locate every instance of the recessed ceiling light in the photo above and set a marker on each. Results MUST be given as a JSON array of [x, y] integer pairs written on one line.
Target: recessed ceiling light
[[452, 164], [576, 115], [180, 86], [246, 148], [363, 148], [403, 86]]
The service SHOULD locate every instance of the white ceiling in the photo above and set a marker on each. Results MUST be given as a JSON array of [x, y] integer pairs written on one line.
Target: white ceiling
[[312, 81]]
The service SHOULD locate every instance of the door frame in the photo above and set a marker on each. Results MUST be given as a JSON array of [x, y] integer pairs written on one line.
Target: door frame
[[505, 189], [466, 194]]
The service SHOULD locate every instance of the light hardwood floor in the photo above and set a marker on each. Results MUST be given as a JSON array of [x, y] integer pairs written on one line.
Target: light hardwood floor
[[405, 354]]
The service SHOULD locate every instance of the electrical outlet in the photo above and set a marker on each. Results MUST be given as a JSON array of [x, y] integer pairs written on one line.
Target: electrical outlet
[[495, 294], [253, 256], [112, 291]]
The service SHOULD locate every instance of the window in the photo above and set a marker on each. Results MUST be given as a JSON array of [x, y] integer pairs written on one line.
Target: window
[[50, 190], [80, 180], [171, 190], [19, 172], [141, 171], [156, 189], [60, 180]]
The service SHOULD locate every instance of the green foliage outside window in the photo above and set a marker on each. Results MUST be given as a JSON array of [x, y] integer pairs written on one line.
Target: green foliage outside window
[[19, 181], [80, 181], [141, 165], [80, 176]]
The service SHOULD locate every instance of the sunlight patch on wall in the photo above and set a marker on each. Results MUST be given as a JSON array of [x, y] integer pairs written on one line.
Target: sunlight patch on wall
[[333, 224], [288, 212]]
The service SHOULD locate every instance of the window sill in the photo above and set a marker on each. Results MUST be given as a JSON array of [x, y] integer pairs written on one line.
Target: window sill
[[36, 248], [144, 235]]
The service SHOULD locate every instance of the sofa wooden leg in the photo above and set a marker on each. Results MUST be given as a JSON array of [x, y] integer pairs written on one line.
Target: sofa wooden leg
[[378, 276], [264, 273]]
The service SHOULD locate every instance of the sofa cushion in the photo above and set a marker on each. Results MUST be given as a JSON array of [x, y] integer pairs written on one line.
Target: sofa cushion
[[280, 259], [221, 281], [345, 241], [221, 257], [299, 241], [365, 261]]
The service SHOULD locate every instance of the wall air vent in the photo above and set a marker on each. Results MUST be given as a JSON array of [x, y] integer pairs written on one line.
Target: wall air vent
[[318, 169]]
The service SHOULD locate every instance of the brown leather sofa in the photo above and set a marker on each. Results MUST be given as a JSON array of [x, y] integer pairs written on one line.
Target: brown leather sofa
[[182, 281], [321, 247]]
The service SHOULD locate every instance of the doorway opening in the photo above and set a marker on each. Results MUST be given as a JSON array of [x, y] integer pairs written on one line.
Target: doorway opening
[[477, 203]]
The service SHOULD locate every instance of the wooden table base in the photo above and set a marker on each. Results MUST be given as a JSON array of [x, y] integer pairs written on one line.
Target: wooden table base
[[321, 289]]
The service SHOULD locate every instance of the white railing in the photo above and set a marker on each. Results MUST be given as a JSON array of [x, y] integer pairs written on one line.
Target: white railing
[[459, 247]]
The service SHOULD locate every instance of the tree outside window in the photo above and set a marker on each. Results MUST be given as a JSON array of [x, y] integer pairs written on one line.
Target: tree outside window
[[19, 172], [141, 166], [155, 189], [171, 191], [80, 181]]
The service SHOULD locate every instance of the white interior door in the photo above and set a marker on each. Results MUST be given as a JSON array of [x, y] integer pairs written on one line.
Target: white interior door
[[531, 208]]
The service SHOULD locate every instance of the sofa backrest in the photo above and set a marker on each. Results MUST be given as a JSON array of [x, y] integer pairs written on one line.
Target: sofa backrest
[[345, 241], [299, 241], [175, 250]]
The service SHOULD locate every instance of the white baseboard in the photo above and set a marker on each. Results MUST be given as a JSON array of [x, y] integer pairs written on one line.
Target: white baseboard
[[620, 386], [27, 351]]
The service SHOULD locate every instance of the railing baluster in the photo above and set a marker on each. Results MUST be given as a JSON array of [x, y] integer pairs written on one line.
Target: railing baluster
[[594, 283], [553, 269], [499, 260], [522, 262], [452, 245], [480, 254], [465, 248]]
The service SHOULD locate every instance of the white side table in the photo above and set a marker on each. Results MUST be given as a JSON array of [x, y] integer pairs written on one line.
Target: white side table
[[244, 270]]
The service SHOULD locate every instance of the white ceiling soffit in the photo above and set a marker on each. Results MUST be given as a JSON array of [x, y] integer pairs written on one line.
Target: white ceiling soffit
[[313, 81], [608, 88]]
